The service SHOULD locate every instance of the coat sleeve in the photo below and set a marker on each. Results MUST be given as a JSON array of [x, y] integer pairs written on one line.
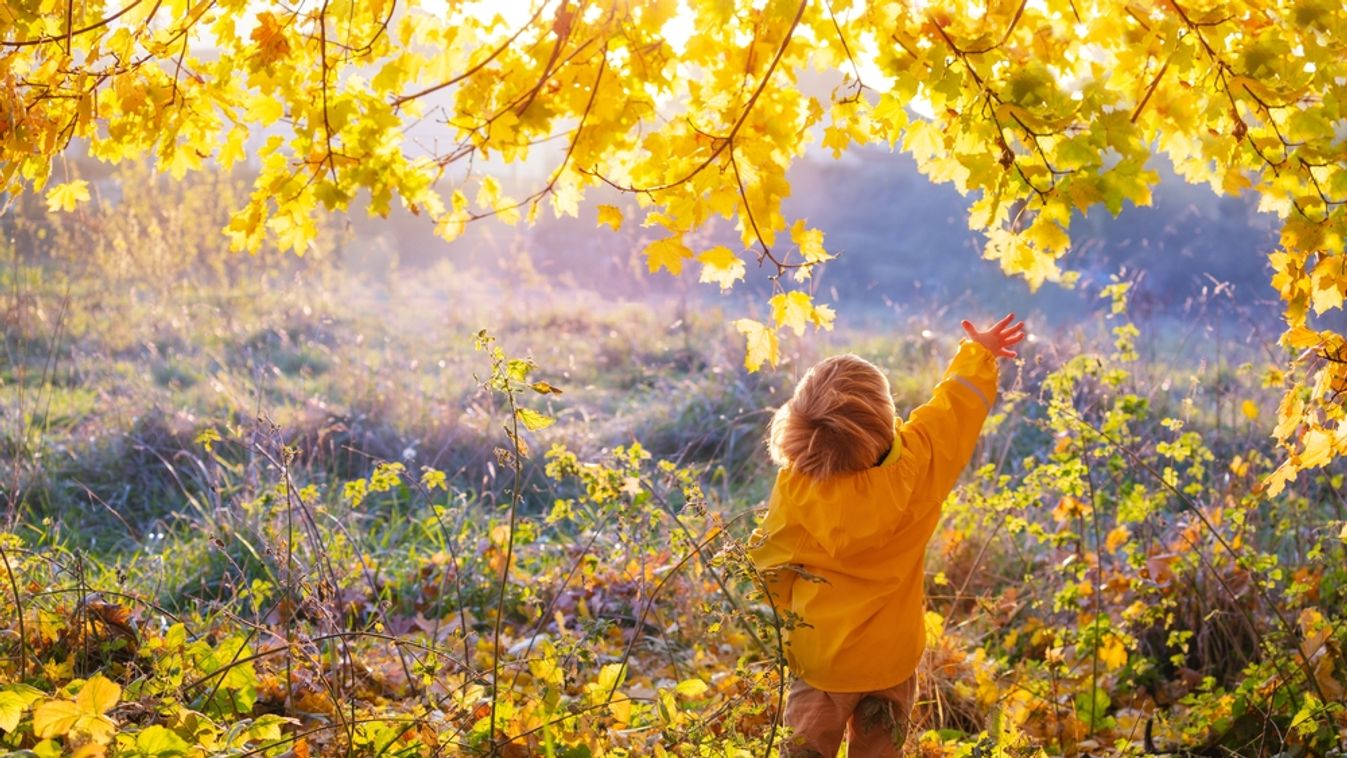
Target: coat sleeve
[[941, 434], [772, 548]]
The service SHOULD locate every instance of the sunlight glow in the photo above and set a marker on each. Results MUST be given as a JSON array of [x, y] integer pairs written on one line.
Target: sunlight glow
[[679, 29], [921, 105], [515, 12]]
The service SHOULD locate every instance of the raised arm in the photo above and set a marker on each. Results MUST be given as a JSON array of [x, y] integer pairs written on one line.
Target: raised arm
[[942, 433]]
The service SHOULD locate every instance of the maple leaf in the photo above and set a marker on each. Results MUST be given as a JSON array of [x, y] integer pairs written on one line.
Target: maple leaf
[[668, 253], [269, 34], [65, 197], [610, 215], [722, 266], [792, 310], [810, 242], [762, 343], [1112, 652]]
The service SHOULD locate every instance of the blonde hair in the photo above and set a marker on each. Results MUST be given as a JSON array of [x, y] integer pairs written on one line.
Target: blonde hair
[[839, 420]]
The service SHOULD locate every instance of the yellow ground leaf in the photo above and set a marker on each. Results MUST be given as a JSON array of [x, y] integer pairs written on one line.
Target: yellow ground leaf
[[1116, 538], [934, 624], [98, 695], [621, 710], [55, 718], [1112, 652]]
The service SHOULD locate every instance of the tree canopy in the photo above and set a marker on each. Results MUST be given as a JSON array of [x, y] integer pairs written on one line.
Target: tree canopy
[[1042, 109]]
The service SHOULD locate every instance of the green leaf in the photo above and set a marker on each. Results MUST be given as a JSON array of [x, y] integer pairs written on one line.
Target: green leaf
[[160, 741], [267, 728], [519, 369], [14, 699]]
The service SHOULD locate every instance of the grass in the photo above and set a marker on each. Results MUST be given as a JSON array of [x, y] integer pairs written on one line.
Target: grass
[[179, 456]]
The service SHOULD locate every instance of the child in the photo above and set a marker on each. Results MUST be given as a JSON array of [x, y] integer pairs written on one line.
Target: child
[[843, 544]]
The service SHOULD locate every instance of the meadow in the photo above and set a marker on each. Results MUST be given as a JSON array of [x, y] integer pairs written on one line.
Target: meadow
[[297, 506]]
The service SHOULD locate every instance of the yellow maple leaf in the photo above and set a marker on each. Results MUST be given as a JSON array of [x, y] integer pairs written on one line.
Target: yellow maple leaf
[[451, 225], [668, 253], [610, 215], [488, 193], [762, 343], [233, 149], [566, 199], [810, 242], [1300, 338], [1278, 479], [692, 688], [924, 141], [1317, 450], [64, 197], [1047, 237], [722, 266], [823, 317], [1017, 256], [793, 310]]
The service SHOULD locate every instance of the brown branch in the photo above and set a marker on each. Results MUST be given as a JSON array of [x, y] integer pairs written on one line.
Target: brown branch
[[748, 211], [1015, 20], [988, 96], [69, 25], [1136, 112], [71, 33], [383, 28], [322, 60], [466, 147], [860, 85], [570, 149], [781, 266], [561, 26]]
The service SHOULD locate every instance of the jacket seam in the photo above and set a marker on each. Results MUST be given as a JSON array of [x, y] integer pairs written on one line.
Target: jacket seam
[[976, 390]]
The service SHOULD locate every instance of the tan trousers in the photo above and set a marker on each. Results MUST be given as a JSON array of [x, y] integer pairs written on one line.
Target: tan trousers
[[875, 723]]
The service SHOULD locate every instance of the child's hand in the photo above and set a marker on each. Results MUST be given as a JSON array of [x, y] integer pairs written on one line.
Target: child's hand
[[999, 337]]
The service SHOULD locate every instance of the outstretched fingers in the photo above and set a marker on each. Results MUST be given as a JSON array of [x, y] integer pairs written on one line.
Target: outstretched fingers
[[999, 336]]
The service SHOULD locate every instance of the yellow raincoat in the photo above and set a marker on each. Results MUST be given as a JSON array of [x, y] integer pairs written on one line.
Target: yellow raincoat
[[847, 554]]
